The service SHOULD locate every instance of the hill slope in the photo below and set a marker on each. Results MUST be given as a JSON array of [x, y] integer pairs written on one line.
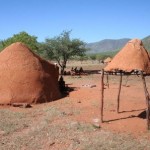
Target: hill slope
[[109, 45], [106, 45], [146, 42]]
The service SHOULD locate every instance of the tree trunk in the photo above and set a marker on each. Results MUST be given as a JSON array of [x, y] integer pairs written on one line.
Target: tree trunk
[[63, 66], [102, 95]]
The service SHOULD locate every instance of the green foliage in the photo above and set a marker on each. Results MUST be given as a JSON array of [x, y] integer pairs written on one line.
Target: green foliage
[[146, 43], [99, 58], [1, 45], [30, 41], [82, 58], [93, 56], [62, 48], [102, 56], [42, 50]]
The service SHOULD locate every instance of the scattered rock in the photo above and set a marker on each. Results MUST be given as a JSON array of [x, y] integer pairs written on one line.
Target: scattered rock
[[89, 85], [22, 105], [52, 143], [67, 113], [76, 141], [96, 123], [2, 132], [92, 86]]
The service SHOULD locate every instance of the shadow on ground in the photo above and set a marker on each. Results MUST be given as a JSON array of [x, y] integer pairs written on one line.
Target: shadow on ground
[[142, 115], [67, 90]]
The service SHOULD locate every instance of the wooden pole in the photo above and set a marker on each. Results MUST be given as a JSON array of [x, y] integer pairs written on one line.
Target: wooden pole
[[118, 97], [147, 101], [107, 80], [127, 77], [102, 94]]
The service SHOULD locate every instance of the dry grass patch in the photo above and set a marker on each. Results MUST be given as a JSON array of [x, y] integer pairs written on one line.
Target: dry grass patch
[[54, 130], [13, 121]]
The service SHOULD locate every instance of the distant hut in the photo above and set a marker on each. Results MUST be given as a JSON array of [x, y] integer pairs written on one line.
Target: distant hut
[[107, 60], [132, 59]]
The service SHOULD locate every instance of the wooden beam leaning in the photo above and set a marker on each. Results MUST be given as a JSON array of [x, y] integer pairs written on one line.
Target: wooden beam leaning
[[118, 97], [107, 77], [147, 101], [102, 94]]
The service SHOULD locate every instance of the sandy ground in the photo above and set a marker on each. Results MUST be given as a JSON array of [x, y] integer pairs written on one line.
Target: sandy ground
[[83, 105], [132, 117]]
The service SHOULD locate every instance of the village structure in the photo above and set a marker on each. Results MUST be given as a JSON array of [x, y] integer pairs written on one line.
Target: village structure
[[28, 79], [133, 59], [88, 102], [25, 77]]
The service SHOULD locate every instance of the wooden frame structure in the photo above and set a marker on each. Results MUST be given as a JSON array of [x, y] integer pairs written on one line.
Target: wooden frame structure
[[121, 73]]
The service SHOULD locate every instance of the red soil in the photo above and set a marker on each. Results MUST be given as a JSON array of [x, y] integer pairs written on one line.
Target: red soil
[[86, 101], [132, 104]]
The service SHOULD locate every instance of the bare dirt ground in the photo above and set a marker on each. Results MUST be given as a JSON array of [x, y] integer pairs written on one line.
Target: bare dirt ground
[[68, 123]]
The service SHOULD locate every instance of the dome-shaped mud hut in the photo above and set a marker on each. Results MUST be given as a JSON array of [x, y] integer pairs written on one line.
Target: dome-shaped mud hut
[[25, 77]]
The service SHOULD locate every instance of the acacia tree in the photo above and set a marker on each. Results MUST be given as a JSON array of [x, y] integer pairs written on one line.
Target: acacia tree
[[30, 41], [62, 48]]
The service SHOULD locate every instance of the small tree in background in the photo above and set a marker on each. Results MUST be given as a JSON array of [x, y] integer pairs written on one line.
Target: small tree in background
[[30, 41], [1, 45], [42, 50], [93, 57], [62, 48], [98, 58], [83, 58]]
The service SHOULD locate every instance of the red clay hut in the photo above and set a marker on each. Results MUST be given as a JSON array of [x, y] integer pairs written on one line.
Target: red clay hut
[[25, 77]]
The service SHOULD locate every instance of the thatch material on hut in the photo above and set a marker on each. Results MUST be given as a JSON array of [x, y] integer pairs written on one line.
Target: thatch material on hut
[[133, 56], [25, 77]]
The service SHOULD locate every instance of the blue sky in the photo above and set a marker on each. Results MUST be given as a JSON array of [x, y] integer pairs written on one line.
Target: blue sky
[[89, 20]]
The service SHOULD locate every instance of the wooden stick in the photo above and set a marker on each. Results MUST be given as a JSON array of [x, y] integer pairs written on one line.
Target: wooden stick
[[127, 77], [107, 80], [102, 94], [147, 101], [118, 97]]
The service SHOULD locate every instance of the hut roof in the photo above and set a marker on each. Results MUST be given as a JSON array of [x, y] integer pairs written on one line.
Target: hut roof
[[133, 56]]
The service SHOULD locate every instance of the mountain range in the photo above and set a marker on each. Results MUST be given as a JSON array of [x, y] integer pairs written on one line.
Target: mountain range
[[109, 45]]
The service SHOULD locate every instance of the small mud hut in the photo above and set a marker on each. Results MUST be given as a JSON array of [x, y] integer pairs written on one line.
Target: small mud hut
[[25, 77], [107, 60], [132, 59]]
